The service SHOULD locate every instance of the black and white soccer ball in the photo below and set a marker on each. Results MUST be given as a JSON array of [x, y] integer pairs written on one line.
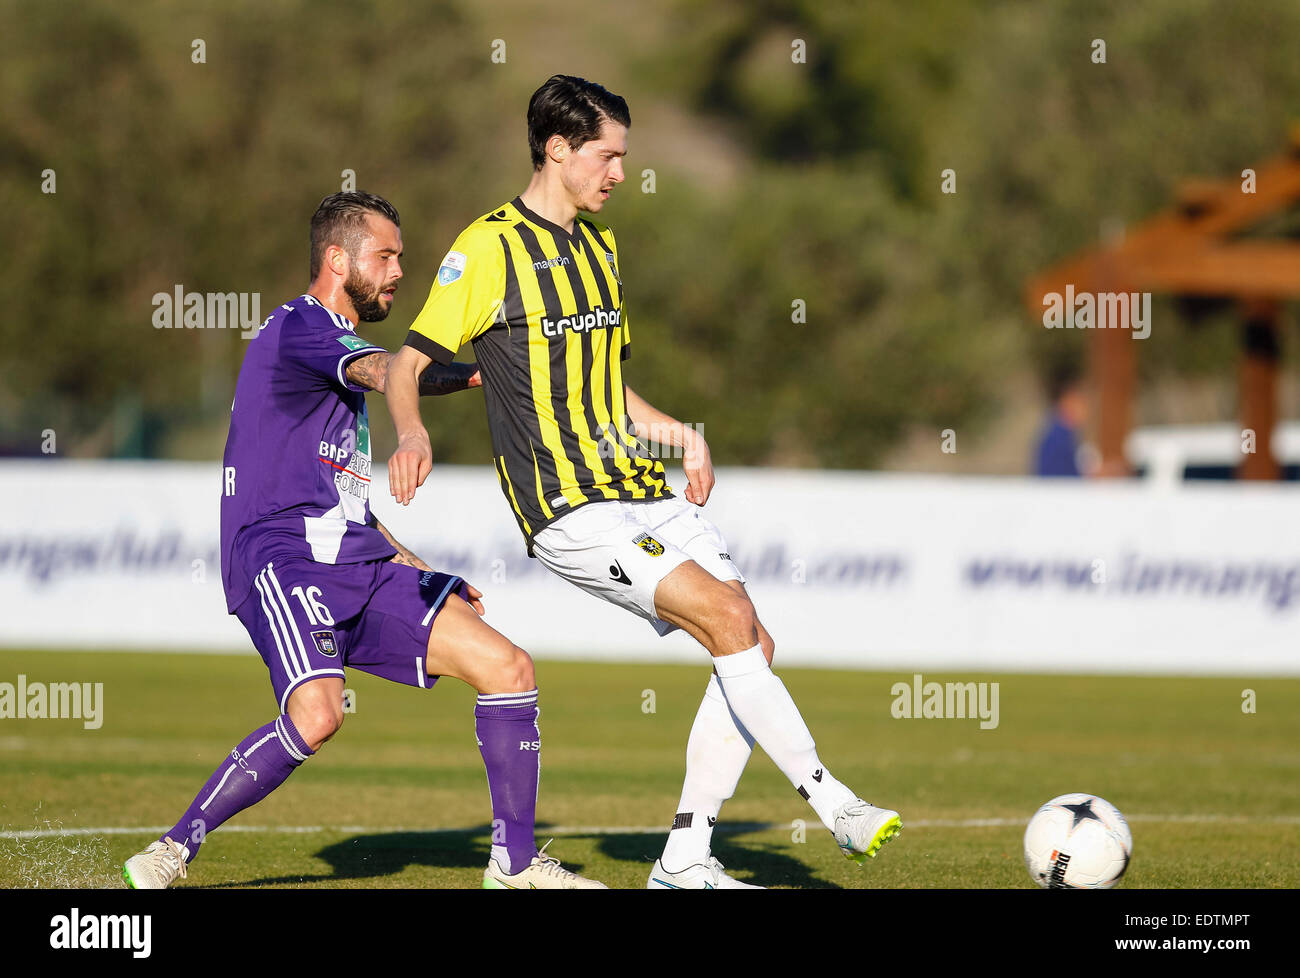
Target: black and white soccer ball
[[1077, 842]]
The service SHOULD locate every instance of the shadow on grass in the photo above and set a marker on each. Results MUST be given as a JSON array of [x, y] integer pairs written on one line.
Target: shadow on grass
[[761, 863], [386, 854], [376, 855]]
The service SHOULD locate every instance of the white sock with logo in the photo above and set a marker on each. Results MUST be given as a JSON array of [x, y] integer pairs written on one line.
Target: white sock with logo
[[716, 754], [763, 706]]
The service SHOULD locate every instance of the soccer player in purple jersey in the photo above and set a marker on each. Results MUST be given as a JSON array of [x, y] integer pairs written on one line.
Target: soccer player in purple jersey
[[321, 584]]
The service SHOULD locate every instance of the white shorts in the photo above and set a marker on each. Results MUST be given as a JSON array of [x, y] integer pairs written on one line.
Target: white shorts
[[620, 551]]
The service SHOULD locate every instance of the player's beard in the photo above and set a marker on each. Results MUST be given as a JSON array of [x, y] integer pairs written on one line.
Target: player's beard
[[365, 299]]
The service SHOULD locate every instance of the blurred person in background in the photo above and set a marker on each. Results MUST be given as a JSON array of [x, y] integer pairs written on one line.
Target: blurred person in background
[[1057, 451]]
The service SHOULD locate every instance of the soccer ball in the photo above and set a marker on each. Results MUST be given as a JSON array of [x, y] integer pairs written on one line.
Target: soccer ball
[[1077, 842]]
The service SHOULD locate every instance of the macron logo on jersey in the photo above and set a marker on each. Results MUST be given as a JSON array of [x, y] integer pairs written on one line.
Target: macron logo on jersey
[[452, 268]]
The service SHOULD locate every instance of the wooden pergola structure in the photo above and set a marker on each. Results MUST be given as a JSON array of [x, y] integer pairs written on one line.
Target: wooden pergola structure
[[1189, 250]]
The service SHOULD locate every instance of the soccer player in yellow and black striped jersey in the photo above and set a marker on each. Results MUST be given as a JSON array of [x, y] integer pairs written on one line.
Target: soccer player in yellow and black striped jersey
[[543, 306], [538, 289]]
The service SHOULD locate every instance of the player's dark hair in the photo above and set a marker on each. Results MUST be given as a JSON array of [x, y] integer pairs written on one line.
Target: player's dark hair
[[573, 108], [1061, 379], [341, 220]]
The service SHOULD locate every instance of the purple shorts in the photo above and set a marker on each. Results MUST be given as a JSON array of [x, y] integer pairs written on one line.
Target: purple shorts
[[309, 620]]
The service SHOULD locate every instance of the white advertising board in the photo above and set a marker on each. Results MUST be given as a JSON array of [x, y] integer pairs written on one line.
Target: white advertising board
[[853, 570]]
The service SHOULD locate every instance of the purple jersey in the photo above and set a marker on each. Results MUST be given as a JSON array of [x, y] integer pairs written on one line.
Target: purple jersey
[[296, 479]]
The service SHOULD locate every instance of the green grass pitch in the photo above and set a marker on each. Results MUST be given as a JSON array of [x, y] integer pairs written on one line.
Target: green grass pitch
[[399, 797]]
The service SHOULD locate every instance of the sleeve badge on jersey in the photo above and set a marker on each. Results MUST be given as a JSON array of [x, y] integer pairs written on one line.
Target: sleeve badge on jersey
[[649, 544], [325, 643], [452, 267], [354, 343]]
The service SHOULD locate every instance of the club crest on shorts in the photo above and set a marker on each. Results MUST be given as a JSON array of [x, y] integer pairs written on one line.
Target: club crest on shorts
[[325, 643], [649, 544]]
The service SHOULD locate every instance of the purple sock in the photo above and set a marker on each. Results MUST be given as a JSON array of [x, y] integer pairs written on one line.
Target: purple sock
[[252, 771], [508, 739]]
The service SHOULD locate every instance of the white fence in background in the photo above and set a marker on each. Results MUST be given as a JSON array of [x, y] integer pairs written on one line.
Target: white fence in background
[[847, 569]]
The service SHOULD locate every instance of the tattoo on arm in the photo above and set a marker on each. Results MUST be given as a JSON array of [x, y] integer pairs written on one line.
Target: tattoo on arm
[[403, 555], [439, 379], [370, 371]]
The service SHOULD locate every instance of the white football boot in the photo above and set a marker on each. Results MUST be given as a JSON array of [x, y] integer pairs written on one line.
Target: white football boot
[[861, 829], [156, 867], [707, 875], [543, 873]]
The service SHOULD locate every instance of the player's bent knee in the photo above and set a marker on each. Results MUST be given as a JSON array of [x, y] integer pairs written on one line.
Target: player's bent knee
[[510, 673], [518, 674], [736, 624], [316, 712], [318, 724]]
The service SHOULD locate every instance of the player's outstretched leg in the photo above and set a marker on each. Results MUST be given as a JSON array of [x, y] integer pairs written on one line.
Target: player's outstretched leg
[[463, 646], [256, 767], [723, 620], [716, 754]]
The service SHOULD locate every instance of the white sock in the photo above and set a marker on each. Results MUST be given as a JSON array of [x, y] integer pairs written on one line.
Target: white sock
[[716, 754], [763, 705]]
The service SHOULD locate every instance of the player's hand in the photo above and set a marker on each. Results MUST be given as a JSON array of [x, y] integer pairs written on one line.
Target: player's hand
[[474, 595], [477, 379], [698, 466], [410, 466]]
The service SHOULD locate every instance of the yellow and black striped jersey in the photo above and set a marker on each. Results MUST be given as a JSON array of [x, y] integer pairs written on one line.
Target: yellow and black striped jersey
[[544, 310]]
